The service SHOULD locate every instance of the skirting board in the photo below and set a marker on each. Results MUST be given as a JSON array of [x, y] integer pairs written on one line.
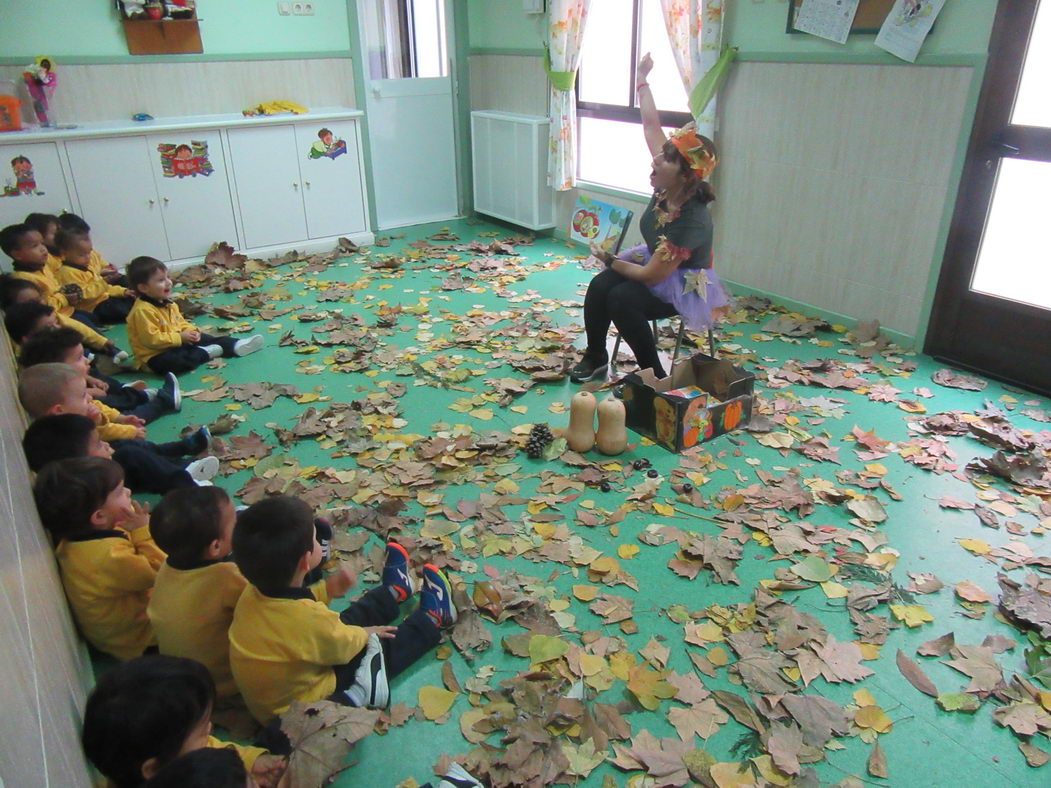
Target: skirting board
[[903, 340], [313, 246]]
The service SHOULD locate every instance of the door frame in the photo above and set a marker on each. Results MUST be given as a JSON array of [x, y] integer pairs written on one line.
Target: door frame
[[456, 34], [953, 316]]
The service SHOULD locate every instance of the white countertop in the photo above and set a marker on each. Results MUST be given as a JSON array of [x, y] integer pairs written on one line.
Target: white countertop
[[114, 128]]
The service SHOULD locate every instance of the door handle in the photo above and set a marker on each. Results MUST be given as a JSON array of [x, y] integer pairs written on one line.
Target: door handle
[[1005, 148], [295, 185], [151, 201], [166, 200], [307, 184]]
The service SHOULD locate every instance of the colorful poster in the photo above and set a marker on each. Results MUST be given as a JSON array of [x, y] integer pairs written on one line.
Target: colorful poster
[[23, 180], [596, 222], [182, 160], [829, 19], [906, 27], [327, 146]]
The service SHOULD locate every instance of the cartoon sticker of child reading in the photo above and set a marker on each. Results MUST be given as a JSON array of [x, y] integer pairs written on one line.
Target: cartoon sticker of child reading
[[327, 146], [182, 160]]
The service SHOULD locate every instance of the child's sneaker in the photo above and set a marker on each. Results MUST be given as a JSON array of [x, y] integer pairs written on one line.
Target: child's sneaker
[[243, 347], [198, 441], [370, 688], [436, 598], [169, 393], [396, 572], [203, 470], [323, 532], [213, 351], [458, 777], [121, 358]]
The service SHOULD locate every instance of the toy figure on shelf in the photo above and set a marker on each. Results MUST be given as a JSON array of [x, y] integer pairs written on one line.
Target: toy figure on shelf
[[133, 9], [40, 79]]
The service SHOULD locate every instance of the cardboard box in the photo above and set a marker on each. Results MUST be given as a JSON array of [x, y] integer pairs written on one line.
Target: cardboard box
[[701, 399]]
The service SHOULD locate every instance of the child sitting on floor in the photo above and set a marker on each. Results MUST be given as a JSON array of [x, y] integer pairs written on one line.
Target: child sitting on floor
[[28, 255], [144, 714], [47, 225], [208, 767], [63, 346], [106, 303], [56, 389], [161, 338], [27, 318], [15, 291], [286, 645], [106, 555], [70, 222]]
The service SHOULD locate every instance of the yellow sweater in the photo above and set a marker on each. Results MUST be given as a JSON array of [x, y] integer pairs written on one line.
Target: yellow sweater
[[93, 287], [283, 648], [108, 575], [191, 610], [97, 262], [153, 328], [248, 755], [48, 285], [54, 263], [108, 428], [89, 336]]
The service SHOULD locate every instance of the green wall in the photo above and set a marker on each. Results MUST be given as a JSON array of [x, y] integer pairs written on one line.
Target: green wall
[[91, 28], [503, 25]]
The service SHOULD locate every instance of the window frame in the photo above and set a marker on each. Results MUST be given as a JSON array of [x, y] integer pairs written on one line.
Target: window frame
[[630, 112]]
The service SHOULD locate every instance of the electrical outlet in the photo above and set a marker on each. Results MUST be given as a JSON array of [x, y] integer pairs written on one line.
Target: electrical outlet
[[297, 9], [308, 9], [284, 9]]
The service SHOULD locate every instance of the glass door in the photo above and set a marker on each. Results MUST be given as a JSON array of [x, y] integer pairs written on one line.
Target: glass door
[[992, 311]]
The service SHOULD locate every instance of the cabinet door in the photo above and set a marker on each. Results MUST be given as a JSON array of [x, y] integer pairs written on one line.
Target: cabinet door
[[332, 184], [189, 170], [118, 197], [268, 185], [31, 181]]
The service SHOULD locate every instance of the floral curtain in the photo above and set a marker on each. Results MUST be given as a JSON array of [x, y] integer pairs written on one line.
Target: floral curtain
[[695, 29], [565, 36]]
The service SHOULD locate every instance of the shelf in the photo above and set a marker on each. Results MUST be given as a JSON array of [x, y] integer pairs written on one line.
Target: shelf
[[163, 36]]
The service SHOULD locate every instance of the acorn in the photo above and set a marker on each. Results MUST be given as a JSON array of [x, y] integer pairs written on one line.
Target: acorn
[[605, 487], [652, 473], [687, 488]]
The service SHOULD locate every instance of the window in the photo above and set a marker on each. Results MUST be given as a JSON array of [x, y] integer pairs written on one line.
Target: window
[[405, 38], [612, 150]]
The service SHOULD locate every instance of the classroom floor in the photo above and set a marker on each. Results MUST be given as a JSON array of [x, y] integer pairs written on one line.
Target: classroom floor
[[429, 349]]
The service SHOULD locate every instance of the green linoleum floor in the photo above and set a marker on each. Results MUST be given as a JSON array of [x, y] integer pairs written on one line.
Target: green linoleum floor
[[926, 745]]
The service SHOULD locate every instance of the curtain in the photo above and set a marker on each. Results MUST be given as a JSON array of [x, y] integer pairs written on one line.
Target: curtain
[[695, 29], [565, 36]]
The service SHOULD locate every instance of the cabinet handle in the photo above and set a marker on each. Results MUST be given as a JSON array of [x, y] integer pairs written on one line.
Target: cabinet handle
[[151, 201], [166, 200], [307, 183], [295, 185]]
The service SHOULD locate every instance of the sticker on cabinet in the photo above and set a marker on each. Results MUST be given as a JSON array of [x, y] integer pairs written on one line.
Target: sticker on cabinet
[[24, 181], [327, 146], [182, 160]]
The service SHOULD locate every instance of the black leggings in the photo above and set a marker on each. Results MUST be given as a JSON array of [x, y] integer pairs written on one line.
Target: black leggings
[[186, 358], [628, 305]]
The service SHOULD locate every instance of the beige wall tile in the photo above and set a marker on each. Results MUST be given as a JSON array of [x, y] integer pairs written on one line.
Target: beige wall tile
[[509, 83]]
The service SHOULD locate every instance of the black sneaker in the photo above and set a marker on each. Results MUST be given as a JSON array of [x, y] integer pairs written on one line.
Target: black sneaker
[[370, 688], [589, 369], [323, 531]]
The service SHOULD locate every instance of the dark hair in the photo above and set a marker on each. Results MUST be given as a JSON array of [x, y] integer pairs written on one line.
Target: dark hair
[[66, 239], [208, 767], [270, 538], [184, 146], [41, 221], [49, 346], [21, 319], [69, 491], [58, 437], [186, 521], [141, 269], [701, 188], [11, 286], [73, 223], [321, 134], [12, 236], [19, 160], [141, 710]]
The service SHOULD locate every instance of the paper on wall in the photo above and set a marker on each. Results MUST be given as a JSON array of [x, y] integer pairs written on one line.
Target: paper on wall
[[906, 27], [829, 19]]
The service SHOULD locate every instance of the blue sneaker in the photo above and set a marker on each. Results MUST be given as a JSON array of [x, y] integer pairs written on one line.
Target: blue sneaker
[[170, 394], [436, 598], [198, 442], [396, 574]]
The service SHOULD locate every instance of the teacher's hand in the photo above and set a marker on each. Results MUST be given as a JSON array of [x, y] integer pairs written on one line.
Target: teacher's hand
[[601, 255], [644, 67]]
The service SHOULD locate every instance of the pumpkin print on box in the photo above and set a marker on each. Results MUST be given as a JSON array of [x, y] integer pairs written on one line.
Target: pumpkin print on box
[[732, 415], [695, 423]]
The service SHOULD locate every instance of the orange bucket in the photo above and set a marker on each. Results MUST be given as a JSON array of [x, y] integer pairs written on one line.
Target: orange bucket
[[10, 113]]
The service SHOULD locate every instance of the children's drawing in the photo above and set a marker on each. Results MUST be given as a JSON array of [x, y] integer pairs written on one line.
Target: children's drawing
[[182, 160], [596, 222], [327, 146], [24, 181]]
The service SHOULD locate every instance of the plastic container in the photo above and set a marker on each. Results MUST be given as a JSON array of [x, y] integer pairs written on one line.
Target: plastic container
[[10, 107]]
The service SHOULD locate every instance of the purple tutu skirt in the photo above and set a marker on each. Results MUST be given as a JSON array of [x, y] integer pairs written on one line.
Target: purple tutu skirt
[[697, 294]]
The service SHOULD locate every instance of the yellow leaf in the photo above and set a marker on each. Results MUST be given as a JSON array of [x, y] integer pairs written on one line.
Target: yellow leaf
[[435, 701], [232, 406], [873, 717], [585, 593], [730, 775], [505, 487], [544, 648], [834, 590], [590, 664], [627, 551], [733, 502], [545, 530], [976, 546], [665, 509], [911, 615], [869, 651], [863, 697], [519, 408], [717, 656], [604, 565], [620, 664], [482, 413]]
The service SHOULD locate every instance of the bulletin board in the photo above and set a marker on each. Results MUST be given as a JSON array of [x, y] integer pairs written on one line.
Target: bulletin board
[[869, 18]]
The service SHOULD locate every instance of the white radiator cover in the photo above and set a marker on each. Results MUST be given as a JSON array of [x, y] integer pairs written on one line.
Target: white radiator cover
[[509, 155]]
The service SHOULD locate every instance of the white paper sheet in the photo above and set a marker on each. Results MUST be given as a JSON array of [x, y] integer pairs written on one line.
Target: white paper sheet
[[829, 19], [906, 27]]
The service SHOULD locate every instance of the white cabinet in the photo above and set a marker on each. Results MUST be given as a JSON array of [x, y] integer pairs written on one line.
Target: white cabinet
[[147, 201], [268, 184], [194, 191], [298, 182], [118, 197], [31, 181]]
